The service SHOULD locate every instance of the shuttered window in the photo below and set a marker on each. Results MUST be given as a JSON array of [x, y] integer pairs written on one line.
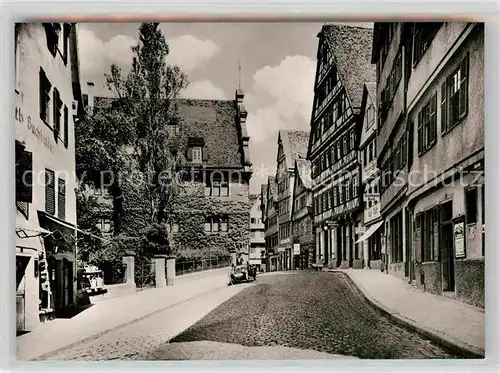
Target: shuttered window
[[454, 96], [428, 231], [50, 196], [417, 240], [57, 105], [66, 126], [61, 199], [427, 125], [422, 38], [471, 205], [24, 174], [45, 88]]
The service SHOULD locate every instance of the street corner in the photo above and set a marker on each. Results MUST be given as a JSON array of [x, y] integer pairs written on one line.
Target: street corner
[[210, 350]]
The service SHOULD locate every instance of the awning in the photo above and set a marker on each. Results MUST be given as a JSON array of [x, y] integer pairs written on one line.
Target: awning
[[373, 228], [61, 223], [29, 229]]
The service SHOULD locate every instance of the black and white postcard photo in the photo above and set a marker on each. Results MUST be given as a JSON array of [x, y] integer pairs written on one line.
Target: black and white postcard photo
[[249, 190]]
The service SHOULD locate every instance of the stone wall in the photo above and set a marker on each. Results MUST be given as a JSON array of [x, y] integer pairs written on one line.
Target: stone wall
[[428, 277], [469, 281]]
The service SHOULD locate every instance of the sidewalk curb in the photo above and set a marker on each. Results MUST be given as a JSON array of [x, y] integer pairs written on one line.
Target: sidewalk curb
[[454, 345], [113, 328]]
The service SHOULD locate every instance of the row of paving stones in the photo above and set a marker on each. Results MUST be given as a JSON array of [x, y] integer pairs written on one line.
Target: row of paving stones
[[318, 311], [134, 341]]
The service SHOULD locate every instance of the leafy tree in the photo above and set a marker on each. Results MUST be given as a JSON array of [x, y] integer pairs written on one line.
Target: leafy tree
[[129, 133]]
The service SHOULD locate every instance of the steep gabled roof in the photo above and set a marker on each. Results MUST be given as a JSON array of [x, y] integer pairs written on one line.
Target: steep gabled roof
[[372, 91], [295, 145], [351, 48], [303, 169], [214, 121], [368, 97], [272, 188]]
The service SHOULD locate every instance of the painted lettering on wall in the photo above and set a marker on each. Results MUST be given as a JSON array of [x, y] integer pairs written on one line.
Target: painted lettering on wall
[[35, 130]]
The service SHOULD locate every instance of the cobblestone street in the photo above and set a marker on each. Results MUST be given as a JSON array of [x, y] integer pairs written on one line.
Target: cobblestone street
[[317, 311], [320, 315]]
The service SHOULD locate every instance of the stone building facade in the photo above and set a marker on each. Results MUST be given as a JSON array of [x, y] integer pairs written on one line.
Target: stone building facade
[[432, 131], [292, 145], [302, 228], [47, 103], [343, 66]]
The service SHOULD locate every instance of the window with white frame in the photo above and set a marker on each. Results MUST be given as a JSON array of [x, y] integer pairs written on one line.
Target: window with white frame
[[214, 224], [104, 225], [454, 96], [197, 155]]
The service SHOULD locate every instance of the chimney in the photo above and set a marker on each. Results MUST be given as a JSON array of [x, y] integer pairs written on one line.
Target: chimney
[[90, 96], [239, 96]]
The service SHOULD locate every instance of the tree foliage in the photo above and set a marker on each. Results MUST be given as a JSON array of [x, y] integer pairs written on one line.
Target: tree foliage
[[128, 135]]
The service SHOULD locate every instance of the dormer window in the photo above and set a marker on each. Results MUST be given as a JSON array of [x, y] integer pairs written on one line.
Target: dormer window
[[196, 152]]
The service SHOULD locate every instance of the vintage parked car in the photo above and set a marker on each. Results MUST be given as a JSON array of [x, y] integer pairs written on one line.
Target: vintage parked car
[[94, 281], [241, 273]]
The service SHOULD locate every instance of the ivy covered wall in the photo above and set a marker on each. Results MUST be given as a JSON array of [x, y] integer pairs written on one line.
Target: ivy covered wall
[[192, 209]]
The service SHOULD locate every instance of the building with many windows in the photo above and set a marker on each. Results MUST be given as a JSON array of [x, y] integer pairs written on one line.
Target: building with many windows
[[212, 211], [343, 67], [274, 260], [47, 103], [370, 180], [431, 149], [302, 230], [257, 251], [292, 145]]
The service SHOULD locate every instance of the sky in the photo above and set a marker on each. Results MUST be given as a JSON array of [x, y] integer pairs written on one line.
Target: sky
[[278, 64]]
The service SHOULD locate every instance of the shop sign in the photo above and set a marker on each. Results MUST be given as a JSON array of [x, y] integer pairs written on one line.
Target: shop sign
[[285, 241], [34, 129], [369, 170], [374, 197], [296, 249], [458, 233]]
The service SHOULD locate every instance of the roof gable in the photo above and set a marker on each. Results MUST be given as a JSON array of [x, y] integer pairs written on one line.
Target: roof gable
[[351, 48], [303, 171], [214, 121], [295, 144], [212, 124], [367, 101]]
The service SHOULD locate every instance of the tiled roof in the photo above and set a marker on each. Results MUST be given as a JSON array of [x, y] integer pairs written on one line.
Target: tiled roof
[[304, 170], [214, 121], [295, 145], [351, 48], [372, 90], [368, 95], [273, 188]]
